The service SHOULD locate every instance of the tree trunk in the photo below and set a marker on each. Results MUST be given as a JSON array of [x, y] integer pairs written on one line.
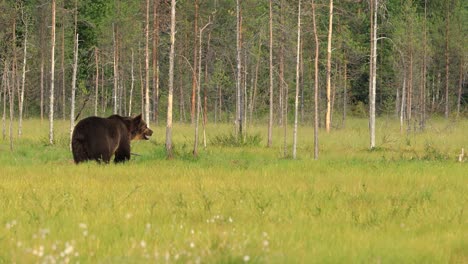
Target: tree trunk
[[23, 80], [195, 63], [373, 72], [96, 91], [345, 91], [298, 62], [403, 101], [254, 92], [11, 93], [42, 50], [301, 82], [147, 73], [447, 61], [156, 61], [197, 120], [316, 86], [171, 83], [62, 64], [270, 117], [132, 84], [329, 51], [4, 83], [424, 75], [239, 72], [73, 88], [52, 79], [142, 92], [116, 69], [282, 101]]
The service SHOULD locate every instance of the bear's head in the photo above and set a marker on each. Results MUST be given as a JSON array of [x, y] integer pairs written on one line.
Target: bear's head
[[139, 129]]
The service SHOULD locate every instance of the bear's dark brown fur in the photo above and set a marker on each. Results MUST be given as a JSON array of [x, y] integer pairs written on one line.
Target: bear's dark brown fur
[[97, 138]]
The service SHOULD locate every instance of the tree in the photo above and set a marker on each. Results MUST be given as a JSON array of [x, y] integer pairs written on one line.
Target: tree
[[73, 91], [52, 77], [116, 68], [373, 72], [447, 58], [23, 78], [147, 73], [155, 61], [270, 119], [75, 70], [316, 86], [96, 83], [195, 58], [171, 83], [197, 118], [240, 105], [329, 52], [298, 60]]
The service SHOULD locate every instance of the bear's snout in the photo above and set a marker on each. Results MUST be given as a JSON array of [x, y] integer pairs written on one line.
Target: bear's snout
[[147, 134]]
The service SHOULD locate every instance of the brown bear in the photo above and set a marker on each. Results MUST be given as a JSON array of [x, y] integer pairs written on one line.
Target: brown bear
[[97, 138]]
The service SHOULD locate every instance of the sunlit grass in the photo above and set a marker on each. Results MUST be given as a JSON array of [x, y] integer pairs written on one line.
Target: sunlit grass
[[403, 202]]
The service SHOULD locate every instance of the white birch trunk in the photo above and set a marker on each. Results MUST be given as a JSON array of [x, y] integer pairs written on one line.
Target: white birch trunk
[[270, 117], [4, 83], [116, 70], [239, 73], [23, 80], [197, 117], [73, 88], [373, 77], [147, 74], [316, 86], [329, 52], [296, 104], [96, 91], [171, 83], [131, 87], [52, 78]]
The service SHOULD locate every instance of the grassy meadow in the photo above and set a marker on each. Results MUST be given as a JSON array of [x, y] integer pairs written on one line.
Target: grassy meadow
[[404, 202]]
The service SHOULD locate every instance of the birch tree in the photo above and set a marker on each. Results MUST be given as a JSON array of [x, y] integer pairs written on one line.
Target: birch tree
[[96, 87], [197, 120], [171, 83], [296, 104], [195, 58], [316, 86], [132, 84], [4, 84], [239, 113], [155, 61], [73, 90], [329, 53], [270, 117], [23, 77], [373, 72], [147, 101], [116, 68], [52, 77]]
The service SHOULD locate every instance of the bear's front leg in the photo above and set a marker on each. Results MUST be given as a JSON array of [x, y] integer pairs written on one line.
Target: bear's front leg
[[122, 154]]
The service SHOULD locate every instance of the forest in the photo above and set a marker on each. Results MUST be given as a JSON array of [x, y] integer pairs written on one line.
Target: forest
[[247, 57]]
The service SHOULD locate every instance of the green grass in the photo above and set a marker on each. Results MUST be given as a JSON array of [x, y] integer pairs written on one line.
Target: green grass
[[404, 202]]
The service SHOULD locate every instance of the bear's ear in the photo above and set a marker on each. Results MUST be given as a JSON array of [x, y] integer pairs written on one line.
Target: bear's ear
[[138, 117]]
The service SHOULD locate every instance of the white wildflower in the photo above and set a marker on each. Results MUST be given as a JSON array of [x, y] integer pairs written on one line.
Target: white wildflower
[[246, 258]]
